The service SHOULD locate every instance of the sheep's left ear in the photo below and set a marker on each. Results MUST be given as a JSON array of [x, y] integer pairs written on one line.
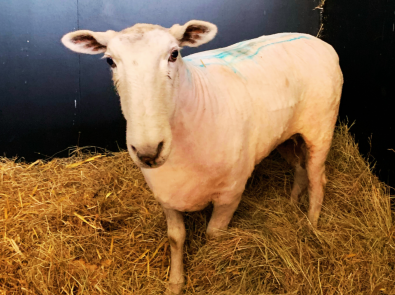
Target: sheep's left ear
[[194, 33]]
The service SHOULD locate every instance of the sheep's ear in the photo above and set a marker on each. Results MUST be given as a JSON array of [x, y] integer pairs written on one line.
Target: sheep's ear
[[88, 42], [194, 33]]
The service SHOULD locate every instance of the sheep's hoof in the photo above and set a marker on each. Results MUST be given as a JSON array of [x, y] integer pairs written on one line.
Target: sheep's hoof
[[213, 234], [294, 201], [174, 288]]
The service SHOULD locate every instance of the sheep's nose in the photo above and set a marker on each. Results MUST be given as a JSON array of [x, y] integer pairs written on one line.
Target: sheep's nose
[[149, 156]]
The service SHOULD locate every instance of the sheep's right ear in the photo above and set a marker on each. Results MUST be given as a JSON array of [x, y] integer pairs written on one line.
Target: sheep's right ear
[[88, 42]]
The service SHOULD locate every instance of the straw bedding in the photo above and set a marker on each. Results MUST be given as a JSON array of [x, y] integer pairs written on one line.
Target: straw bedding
[[88, 224]]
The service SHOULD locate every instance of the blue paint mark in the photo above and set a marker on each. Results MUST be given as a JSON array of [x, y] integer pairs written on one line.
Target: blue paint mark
[[239, 55], [241, 51], [188, 75]]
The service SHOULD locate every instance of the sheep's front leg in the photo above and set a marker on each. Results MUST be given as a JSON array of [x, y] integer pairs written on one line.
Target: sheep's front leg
[[222, 214], [176, 234]]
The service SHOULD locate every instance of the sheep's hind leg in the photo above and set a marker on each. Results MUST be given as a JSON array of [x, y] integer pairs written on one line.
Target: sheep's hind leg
[[317, 152], [294, 152]]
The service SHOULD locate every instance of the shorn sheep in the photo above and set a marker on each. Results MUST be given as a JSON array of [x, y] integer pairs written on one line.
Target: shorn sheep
[[198, 125]]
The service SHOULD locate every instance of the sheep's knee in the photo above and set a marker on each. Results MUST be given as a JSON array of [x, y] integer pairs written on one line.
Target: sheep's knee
[[176, 237]]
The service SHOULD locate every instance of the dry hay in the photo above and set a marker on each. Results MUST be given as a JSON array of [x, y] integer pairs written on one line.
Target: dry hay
[[88, 224]]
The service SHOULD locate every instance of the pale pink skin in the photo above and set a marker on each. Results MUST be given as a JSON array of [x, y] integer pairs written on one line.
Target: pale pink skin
[[228, 112]]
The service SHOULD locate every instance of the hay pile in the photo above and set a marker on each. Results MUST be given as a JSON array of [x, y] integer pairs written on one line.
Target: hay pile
[[88, 224]]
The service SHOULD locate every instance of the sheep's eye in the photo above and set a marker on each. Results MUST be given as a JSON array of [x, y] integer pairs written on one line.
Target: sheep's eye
[[173, 56], [111, 62]]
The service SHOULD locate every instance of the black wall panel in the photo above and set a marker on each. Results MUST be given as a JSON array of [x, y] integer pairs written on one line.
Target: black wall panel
[[38, 84], [52, 98], [363, 34]]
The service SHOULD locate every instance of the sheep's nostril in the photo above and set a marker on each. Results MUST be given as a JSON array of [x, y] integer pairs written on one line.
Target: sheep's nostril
[[149, 161], [133, 148], [160, 147]]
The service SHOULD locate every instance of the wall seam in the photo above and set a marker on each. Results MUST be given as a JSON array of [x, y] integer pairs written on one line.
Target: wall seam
[[79, 78]]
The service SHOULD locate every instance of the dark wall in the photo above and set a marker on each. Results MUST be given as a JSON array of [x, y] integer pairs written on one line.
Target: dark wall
[[363, 33], [52, 98]]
